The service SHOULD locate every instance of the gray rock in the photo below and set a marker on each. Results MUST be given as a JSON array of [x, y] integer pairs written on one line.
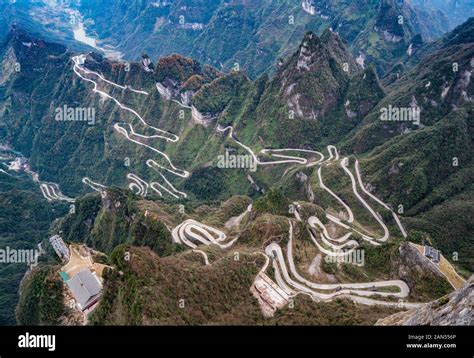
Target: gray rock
[[455, 309]]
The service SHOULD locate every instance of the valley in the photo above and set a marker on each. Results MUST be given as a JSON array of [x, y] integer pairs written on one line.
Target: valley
[[255, 182], [193, 234]]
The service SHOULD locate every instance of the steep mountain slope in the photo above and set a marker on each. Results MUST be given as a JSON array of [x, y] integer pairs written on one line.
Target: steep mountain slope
[[439, 85], [421, 50], [394, 31], [454, 309], [25, 220], [316, 97], [254, 34], [426, 167], [32, 128], [167, 283], [184, 292], [76, 148], [49, 20], [457, 11]]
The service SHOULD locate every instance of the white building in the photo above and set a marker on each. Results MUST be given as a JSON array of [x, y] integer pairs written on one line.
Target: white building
[[60, 247]]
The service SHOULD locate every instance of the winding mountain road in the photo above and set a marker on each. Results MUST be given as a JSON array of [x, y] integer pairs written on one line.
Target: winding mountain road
[[350, 214], [191, 233], [271, 152], [137, 185], [132, 136], [95, 186], [386, 234], [361, 184], [51, 192], [357, 292]]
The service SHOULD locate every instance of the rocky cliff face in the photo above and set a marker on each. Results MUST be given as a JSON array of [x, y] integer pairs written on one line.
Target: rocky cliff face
[[453, 309], [415, 270], [318, 94], [311, 82]]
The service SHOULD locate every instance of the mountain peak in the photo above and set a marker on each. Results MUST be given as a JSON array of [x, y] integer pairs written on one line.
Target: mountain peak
[[310, 46], [176, 68], [26, 47], [363, 93], [338, 50], [329, 35], [310, 39], [316, 53], [388, 20], [312, 77]]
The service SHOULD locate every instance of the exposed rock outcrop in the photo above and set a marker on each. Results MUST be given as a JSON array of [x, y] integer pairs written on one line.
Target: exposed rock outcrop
[[453, 309], [413, 264]]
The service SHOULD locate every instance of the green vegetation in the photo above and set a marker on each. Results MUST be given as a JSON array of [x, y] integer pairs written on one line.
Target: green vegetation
[[215, 96], [443, 300], [263, 229], [177, 68], [76, 226], [115, 220], [206, 183], [273, 202], [379, 258], [42, 301], [25, 218], [329, 267], [428, 286], [175, 290], [153, 234], [256, 34], [150, 288], [232, 207]]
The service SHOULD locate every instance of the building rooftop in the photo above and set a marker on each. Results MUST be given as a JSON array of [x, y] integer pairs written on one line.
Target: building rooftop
[[432, 253], [84, 286], [59, 246]]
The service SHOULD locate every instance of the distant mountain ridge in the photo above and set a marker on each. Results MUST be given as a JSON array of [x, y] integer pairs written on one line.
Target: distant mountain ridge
[[458, 11], [252, 35]]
